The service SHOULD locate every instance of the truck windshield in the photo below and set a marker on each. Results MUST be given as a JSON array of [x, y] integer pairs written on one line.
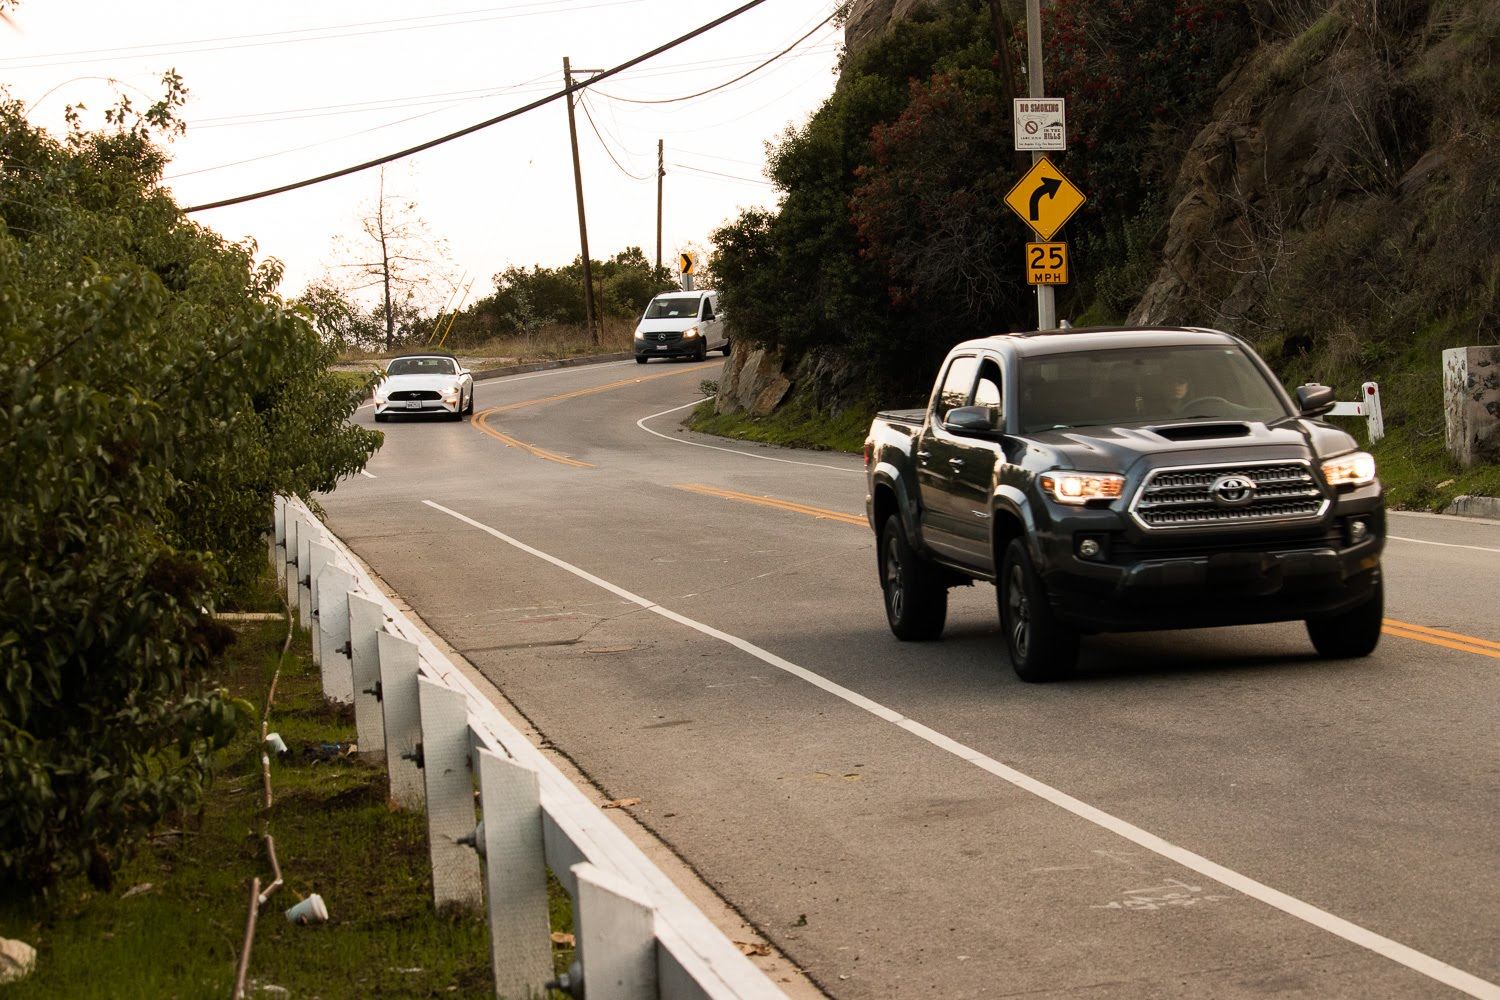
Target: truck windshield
[[1142, 385], [673, 308]]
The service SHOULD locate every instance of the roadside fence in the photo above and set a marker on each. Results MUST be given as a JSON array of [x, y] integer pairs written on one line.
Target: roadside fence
[[499, 813], [1367, 406]]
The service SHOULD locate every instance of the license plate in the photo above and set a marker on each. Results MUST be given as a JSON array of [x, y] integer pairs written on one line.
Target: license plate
[[661, 347], [414, 405]]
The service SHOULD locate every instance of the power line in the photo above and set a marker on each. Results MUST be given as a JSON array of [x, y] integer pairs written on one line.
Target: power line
[[516, 112], [673, 100], [715, 173], [584, 104], [271, 38]]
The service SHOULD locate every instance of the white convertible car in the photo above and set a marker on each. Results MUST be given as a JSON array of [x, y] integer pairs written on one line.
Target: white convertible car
[[425, 383]]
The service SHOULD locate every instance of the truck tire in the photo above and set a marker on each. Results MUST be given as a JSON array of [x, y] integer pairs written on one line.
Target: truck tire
[[916, 599], [1041, 648], [1353, 633]]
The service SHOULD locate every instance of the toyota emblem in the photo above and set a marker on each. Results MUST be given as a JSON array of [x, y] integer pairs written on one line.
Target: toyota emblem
[[1232, 490]]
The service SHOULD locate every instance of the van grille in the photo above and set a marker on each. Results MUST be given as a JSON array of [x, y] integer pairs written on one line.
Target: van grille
[[1185, 498]]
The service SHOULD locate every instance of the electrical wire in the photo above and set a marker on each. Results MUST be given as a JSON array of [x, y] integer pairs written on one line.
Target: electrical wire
[[715, 173], [249, 42], [673, 100], [583, 103], [513, 113]]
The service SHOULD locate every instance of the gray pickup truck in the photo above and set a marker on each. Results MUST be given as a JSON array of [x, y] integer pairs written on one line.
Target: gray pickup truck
[[1118, 480]]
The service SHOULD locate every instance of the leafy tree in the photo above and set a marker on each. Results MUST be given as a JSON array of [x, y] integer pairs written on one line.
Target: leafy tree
[[155, 394]]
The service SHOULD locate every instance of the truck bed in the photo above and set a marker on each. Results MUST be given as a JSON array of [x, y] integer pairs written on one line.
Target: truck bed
[[912, 418]]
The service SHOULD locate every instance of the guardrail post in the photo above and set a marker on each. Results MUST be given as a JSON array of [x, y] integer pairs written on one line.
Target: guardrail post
[[1374, 416], [278, 539], [304, 569], [616, 936], [332, 587], [515, 876], [449, 777], [289, 568], [320, 556], [403, 722], [366, 619]]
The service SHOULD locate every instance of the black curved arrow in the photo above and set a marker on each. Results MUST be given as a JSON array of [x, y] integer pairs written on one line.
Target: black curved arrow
[[1049, 187]]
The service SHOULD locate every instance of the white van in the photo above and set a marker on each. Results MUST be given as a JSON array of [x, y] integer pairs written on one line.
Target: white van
[[681, 325]]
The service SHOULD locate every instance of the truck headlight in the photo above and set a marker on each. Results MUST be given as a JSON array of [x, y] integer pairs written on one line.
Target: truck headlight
[[1078, 488], [690, 333], [1354, 469]]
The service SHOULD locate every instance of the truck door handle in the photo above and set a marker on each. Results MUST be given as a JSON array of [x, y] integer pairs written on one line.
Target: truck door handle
[[924, 455], [957, 463]]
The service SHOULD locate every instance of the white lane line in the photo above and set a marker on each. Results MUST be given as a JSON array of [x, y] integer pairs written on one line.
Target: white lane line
[[1417, 961], [641, 423], [1446, 545], [368, 475], [522, 378]]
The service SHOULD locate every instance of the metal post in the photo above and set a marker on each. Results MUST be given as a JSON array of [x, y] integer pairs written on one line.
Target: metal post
[[449, 780], [333, 587], [366, 620], [403, 721], [515, 876], [661, 172], [616, 936], [583, 226], [1046, 303]]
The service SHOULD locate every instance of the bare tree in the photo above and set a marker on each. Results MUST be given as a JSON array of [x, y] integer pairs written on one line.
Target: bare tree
[[397, 254]]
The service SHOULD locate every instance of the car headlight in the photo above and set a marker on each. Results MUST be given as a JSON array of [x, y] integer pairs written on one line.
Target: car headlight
[[690, 333], [1078, 488], [639, 335], [1354, 469]]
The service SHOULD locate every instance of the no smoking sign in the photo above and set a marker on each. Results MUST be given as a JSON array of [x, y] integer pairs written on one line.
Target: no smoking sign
[[1041, 123]]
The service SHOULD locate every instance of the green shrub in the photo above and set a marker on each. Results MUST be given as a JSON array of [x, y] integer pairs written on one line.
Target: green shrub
[[154, 395]]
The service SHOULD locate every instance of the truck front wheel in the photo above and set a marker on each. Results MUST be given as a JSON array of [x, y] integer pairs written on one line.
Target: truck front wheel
[[1352, 634], [916, 599], [1041, 648]]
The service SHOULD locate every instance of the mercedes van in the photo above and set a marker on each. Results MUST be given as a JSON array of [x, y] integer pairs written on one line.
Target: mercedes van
[[681, 325]]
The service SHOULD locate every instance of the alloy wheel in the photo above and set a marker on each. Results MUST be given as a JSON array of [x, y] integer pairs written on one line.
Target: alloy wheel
[[1020, 612]]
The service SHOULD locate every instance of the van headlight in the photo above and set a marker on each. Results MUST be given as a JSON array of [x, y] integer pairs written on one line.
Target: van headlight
[[690, 333], [1078, 488], [639, 335], [1354, 469]]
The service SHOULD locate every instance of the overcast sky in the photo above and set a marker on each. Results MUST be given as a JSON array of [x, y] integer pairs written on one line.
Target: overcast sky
[[284, 90]]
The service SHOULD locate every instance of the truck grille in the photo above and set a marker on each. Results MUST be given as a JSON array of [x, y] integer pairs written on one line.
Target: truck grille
[[1275, 493], [408, 394]]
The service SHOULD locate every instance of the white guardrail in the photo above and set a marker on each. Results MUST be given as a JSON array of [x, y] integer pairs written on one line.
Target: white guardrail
[[1367, 406], [638, 936]]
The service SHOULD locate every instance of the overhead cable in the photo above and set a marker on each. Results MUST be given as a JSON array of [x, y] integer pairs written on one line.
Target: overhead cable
[[749, 72], [584, 104], [514, 113]]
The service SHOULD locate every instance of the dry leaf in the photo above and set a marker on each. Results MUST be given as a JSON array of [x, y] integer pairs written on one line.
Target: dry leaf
[[751, 948], [136, 890], [620, 803], [562, 940]]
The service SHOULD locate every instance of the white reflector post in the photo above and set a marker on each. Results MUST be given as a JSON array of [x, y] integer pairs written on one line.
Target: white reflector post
[[403, 723], [366, 619], [449, 779], [515, 876], [616, 936], [332, 588]]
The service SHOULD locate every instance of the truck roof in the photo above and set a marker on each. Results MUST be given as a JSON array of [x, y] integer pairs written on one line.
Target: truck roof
[[1097, 338]]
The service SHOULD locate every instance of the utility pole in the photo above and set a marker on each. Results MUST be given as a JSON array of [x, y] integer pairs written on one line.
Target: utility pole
[[1046, 303], [583, 226], [661, 172], [1000, 24]]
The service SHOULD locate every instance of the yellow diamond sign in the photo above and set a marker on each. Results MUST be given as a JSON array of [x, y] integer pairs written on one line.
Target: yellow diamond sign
[[1044, 198]]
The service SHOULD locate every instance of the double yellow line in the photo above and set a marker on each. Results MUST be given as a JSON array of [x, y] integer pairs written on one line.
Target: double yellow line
[[820, 513], [482, 418]]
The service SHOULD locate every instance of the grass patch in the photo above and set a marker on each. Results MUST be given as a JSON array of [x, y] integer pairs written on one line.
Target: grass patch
[[553, 342], [792, 426], [335, 835]]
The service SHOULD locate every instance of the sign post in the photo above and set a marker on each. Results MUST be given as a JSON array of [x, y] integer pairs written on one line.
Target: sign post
[[1046, 303], [685, 265]]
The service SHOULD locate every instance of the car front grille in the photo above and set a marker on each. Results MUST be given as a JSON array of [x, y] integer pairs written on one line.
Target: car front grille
[[1281, 493], [409, 394]]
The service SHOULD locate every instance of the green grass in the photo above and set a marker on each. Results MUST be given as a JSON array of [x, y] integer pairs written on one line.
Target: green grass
[[792, 426], [335, 835]]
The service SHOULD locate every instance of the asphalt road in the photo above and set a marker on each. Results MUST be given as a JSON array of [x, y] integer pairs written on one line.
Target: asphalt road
[[1212, 813]]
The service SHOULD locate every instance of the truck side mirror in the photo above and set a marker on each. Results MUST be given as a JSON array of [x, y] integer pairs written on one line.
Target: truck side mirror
[[1315, 400], [974, 421]]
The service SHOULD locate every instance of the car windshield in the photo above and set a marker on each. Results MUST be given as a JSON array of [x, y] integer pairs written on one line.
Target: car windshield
[[680, 307], [423, 366], [1135, 385]]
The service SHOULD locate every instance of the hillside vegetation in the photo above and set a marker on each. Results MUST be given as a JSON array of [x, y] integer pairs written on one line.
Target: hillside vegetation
[[1318, 176]]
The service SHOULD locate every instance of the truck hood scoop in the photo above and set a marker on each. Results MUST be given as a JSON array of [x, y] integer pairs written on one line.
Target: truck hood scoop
[[1202, 431]]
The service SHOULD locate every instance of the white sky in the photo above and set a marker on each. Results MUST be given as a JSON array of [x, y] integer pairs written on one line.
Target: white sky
[[366, 77]]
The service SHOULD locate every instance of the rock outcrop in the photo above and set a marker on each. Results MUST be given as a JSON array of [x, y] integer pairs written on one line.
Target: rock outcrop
[[752, 381], [868, 19]]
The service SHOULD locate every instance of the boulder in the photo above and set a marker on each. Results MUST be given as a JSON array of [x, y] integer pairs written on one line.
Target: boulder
[[1471, 403], [752, 380], [17, 959]]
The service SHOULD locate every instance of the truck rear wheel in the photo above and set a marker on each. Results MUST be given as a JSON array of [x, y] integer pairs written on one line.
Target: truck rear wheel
[[916, 599], [1352, 634], [1041, 648]]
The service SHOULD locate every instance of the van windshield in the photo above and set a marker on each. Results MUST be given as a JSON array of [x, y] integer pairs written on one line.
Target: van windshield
[[673, 307], [1136, 385]]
